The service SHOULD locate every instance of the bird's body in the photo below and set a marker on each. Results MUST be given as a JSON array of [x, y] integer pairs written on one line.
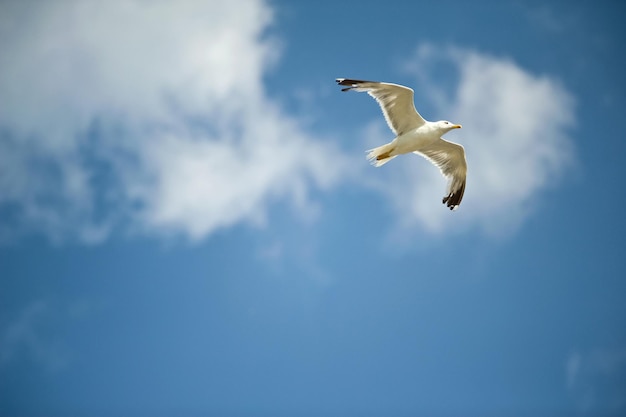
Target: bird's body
[[410, 141], [414, 134]]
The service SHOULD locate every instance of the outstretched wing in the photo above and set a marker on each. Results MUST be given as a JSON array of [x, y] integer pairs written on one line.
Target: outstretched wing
[[396, 102], [450, 159]]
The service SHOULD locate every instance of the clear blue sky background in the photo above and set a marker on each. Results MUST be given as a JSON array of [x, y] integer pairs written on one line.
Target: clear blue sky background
[[188, 225]]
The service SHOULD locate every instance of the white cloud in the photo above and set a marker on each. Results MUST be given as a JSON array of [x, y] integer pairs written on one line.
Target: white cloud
[[199, 185], [514, 132], [167, 97], [153, 115]]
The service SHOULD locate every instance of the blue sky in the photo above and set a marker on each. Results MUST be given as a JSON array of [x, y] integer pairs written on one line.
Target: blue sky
[[188, 224]]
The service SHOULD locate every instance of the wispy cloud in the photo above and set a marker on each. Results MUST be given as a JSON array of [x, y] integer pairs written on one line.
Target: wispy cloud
[[515, 133], [552, 19], [597, 379], [154, 110], [572, 368], [27, 337]]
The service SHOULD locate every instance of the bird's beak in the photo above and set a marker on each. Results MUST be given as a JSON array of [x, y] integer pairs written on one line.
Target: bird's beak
[[457, 127]]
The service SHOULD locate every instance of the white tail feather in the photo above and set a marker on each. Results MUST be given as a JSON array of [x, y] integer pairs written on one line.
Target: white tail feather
[[373, 154]]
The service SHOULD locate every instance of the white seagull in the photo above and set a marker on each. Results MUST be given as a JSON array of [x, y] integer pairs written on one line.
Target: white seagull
[[414, 134]]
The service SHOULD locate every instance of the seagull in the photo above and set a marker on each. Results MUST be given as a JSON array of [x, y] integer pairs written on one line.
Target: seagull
[[414, 134]]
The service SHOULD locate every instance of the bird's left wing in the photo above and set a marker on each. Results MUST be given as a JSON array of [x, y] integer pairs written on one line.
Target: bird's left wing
[[396, 102], [450, 159]]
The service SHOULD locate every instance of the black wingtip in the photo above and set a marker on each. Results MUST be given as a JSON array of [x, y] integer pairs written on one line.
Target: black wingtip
[[453, 200], [350, 81], [344, 81]]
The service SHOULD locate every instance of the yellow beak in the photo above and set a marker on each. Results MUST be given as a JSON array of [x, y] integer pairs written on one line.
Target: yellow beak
[[457, 126]]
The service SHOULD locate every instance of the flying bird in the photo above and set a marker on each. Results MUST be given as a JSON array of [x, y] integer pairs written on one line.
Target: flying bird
[[414, 134]]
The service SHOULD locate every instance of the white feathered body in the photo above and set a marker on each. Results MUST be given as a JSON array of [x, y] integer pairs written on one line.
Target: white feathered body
[[411, 141]]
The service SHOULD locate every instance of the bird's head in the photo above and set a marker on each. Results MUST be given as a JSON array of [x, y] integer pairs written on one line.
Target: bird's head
[[447, 126]]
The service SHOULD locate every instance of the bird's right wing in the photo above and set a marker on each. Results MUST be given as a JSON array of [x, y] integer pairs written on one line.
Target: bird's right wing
[[450, 159], [396, 102]]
